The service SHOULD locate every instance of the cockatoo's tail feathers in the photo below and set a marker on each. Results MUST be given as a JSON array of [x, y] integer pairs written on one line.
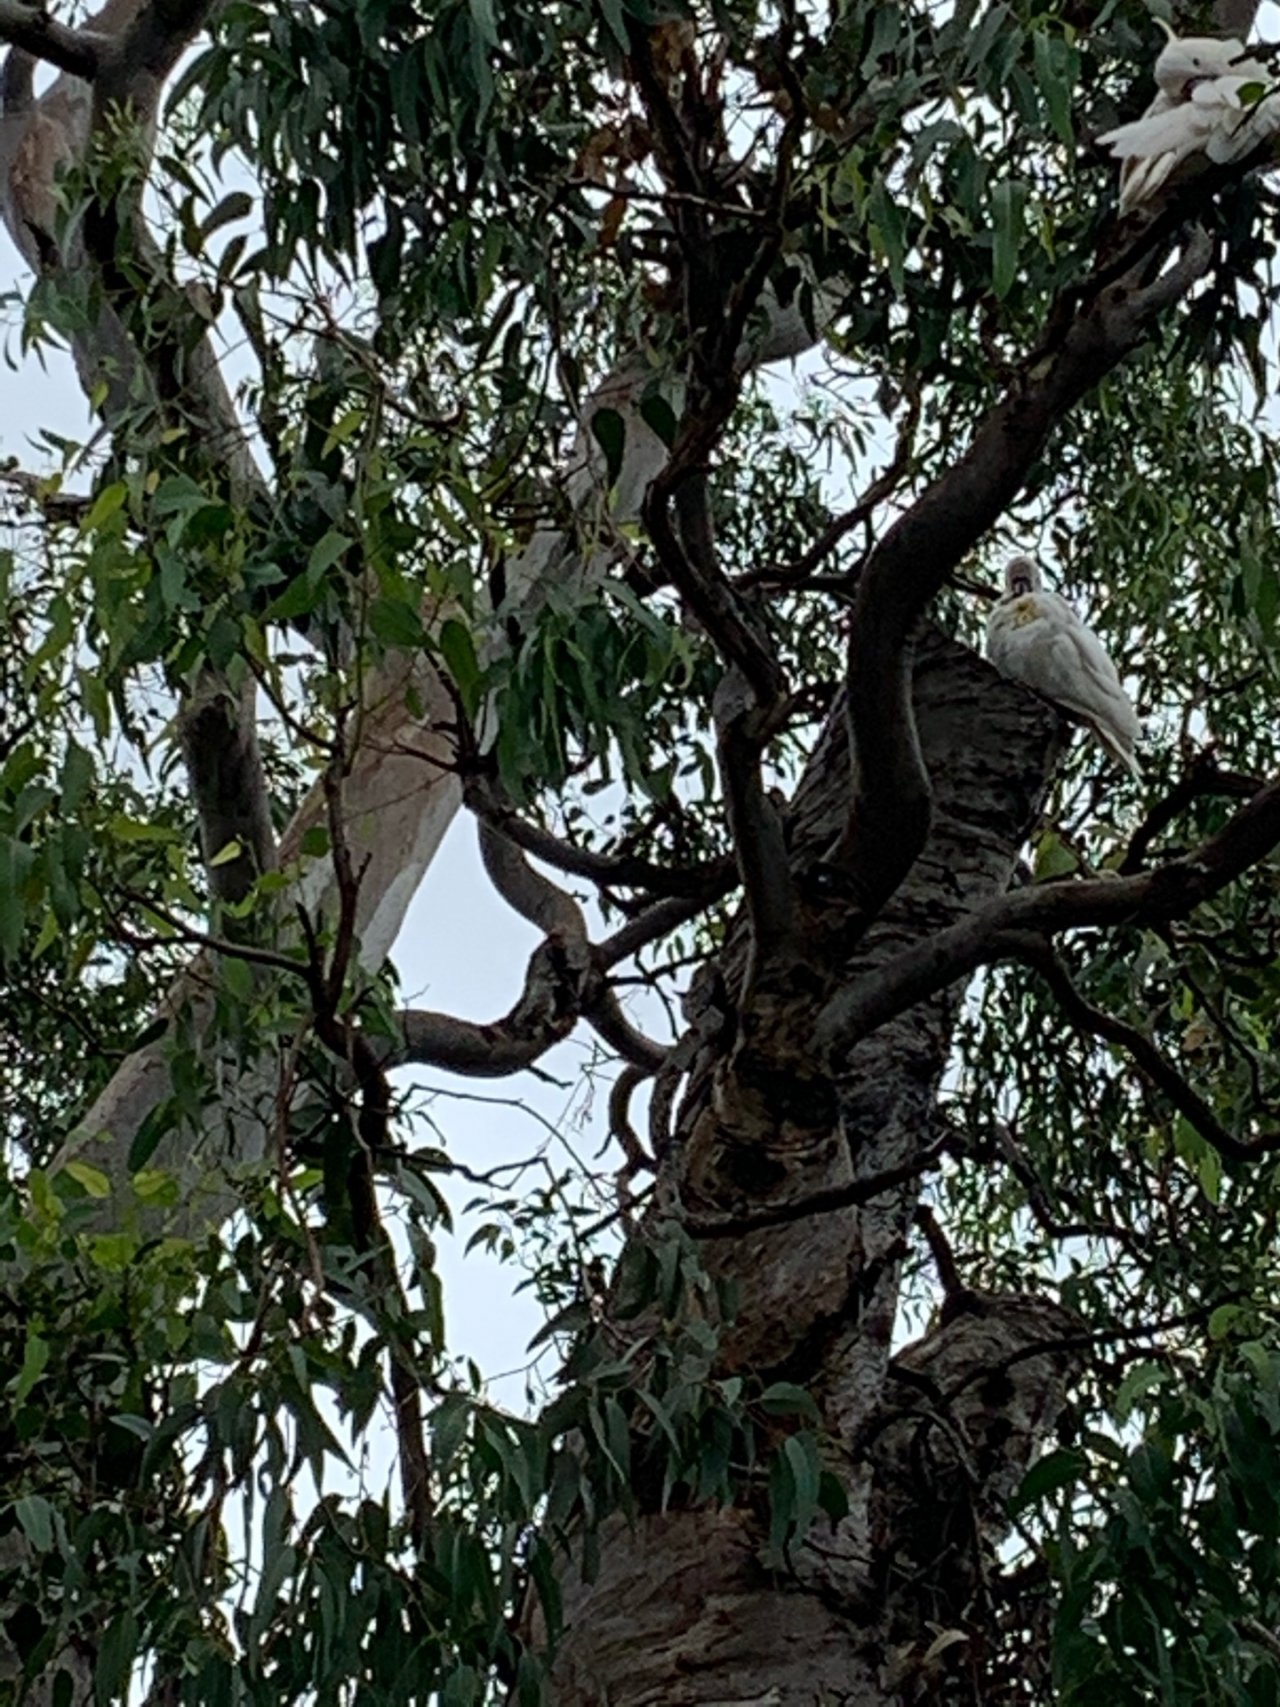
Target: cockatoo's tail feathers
[[1123, 755], [1142, 179]]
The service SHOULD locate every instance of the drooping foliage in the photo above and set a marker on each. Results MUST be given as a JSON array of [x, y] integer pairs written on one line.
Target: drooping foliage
[[446, 225]]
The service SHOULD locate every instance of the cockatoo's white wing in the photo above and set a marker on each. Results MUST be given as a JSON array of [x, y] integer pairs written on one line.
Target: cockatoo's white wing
[[1213, 120], [1238, 127], [1153, 145], [1040, 641], [1174, 130]]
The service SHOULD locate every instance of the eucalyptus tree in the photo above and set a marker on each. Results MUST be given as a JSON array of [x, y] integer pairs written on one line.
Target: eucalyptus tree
[[928, 1350]]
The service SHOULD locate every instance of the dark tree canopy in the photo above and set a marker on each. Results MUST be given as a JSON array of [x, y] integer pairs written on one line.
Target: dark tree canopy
[[927, 1349]]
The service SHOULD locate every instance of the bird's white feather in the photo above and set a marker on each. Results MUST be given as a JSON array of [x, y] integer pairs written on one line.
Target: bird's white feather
[[1036, 638], [1199, 109]]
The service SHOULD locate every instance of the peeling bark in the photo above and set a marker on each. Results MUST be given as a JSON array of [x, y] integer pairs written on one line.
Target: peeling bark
[[683, 1610]]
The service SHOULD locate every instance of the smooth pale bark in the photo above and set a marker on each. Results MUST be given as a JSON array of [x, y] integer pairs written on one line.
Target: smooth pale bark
[[682, 1610]]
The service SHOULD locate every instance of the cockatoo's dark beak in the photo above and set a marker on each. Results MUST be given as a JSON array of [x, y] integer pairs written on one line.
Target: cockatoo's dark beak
[[1021, 585]]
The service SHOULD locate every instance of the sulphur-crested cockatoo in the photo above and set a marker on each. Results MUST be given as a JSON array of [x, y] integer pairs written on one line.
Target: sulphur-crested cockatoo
[[1034, 637], [1212, 99]]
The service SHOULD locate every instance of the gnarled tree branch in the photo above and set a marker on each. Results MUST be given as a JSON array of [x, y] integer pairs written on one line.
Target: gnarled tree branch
[[1015, 925], [610, 871]]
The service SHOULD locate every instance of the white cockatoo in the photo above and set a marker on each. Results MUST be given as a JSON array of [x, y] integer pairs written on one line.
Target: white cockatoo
[[1034, 637], [1212, 99]]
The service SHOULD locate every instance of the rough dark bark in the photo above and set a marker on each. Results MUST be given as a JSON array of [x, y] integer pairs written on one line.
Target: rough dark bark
[[682, 1610]]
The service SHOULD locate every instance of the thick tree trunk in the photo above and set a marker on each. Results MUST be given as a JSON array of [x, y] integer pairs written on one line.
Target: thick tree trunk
[[682, 1609]]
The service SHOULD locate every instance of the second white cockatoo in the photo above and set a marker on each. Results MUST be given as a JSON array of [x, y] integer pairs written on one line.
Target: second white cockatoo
[[1036, 638], [1212, 99]]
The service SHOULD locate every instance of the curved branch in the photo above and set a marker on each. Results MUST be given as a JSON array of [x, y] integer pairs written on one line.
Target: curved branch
[[891, 802], [545, 1014], [625, 1086], [693, 571], [487, 800], [1015, 925], [654, 922], [848, 1195], [760, 847], [565, 982], [532, 895], [31, 30], [604, 1012], [1202, 780], [1149, 1060], [160, 33]]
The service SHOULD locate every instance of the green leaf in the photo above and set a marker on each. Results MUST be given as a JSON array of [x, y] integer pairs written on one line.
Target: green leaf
[[783, 1398], [35, 1360], [237, 978], [887, 232], [1008, 200], [782, 1500], [1055, 1470], [610, 433], [1225, 1320], [154, 1126], [833, 1497], [35, 1514], [1051, 56], [237, 205], [17, 861], [659, 417], [396, 623], [134, 830], [459, 653], [806, 1472], [93, 1180], [117, 1649], [1140, 1379], [482, 14], [77, 775], [315, 841], [327, 551], [156, 1186], [109, 502]]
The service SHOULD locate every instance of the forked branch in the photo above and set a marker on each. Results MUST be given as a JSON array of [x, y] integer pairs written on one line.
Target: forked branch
[[1016, 926]]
